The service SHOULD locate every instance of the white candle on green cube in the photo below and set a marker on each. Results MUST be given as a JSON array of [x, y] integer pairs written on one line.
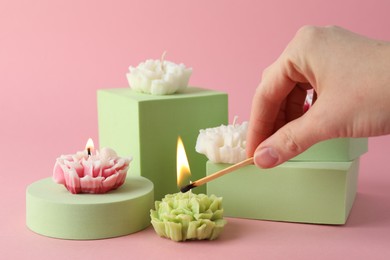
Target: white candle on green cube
[[159, 77], [223, 144]]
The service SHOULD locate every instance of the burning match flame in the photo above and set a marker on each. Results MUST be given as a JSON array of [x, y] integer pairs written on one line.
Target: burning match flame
[[182, 166]]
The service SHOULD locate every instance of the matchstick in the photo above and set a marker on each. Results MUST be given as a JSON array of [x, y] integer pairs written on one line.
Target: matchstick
[[217, 174]]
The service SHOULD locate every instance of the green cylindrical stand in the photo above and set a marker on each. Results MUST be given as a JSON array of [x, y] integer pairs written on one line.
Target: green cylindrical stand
[[53, 211]]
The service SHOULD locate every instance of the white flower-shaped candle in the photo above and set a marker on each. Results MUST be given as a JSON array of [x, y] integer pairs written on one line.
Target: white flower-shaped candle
[[85, 172], [223, 144], [159, 77]]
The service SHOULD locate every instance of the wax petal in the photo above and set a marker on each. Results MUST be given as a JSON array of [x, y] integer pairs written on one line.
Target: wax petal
[[110, 181], [90, 184], [108, 172], [205, 229], [72, 181], [218, 214], [203, 216], [173, 230], [58, 174], [191, 232], [105, 154], [218, 228], [97, 168], [159, 227]]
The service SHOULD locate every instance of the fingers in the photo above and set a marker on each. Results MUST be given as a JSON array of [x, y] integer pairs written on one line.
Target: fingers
[[268, 102], [292, 107], [295, 102], [342, 67], [278, 100], [289, 141]]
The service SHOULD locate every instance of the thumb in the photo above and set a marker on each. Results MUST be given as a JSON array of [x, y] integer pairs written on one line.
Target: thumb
[[289, 141]]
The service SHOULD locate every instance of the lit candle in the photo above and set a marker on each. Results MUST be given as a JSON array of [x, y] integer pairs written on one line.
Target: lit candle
[[86, 172], [159, 77], [223, 144], [187, 216], [89, 146]]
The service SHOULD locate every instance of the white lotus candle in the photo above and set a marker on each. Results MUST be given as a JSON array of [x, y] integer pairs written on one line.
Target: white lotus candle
[[223, 144], [159, 77]]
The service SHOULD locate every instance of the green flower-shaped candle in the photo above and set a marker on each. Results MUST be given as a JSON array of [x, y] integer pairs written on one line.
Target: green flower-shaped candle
[[188, 216]]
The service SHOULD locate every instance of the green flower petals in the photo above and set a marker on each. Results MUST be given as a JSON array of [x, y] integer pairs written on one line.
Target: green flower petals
[[188, 216]]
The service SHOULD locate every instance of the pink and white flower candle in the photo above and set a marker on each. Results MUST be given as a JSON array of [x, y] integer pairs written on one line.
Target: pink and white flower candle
[[88, 172]]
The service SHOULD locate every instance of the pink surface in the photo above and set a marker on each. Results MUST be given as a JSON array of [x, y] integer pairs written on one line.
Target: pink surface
[[54, 55]]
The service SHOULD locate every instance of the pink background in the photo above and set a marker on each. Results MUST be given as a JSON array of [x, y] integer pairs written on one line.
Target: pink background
[[54, 55]]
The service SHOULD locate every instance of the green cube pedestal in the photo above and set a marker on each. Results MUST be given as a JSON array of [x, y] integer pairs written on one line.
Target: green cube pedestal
[[335, 150], [308, 192], [147, 127]]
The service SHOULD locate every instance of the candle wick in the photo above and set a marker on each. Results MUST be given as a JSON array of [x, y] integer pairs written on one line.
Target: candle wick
[[162, 60], [89, 151], [190, 193], [235, 120]]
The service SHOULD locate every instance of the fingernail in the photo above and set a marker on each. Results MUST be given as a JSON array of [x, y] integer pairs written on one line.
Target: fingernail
[[266, 157]]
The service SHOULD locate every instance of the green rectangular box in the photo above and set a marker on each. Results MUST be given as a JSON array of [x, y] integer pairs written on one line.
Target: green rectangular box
[[308, 192], [147, 127], [334, 150]]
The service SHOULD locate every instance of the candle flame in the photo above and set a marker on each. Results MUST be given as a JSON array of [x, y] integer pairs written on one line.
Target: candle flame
[[182, 166], [89, 146]]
